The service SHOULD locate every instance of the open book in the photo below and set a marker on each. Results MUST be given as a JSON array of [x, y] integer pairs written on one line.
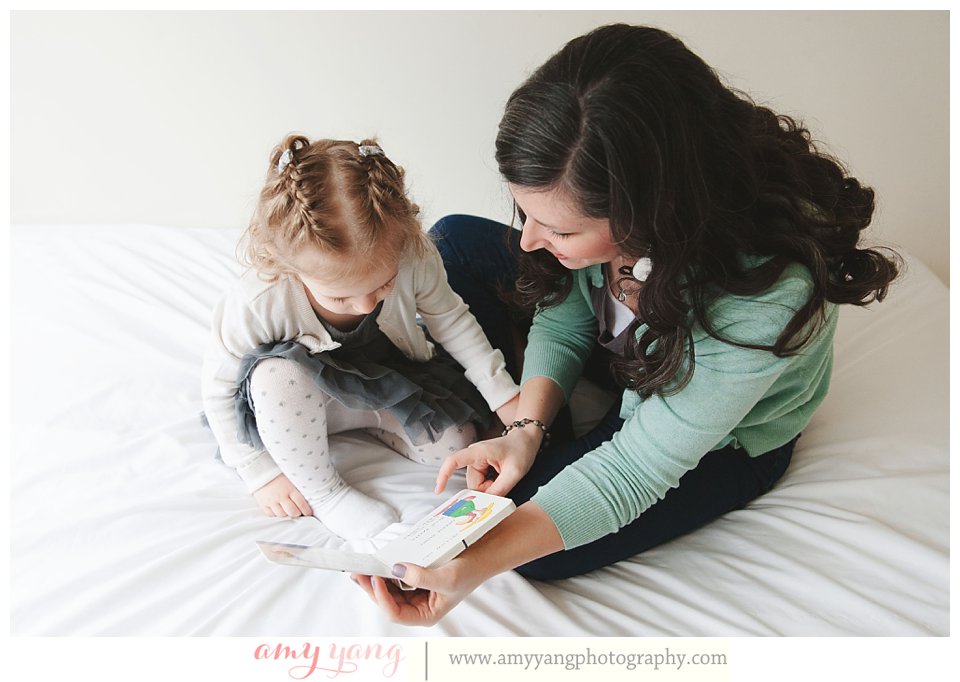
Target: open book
[[434, 540]]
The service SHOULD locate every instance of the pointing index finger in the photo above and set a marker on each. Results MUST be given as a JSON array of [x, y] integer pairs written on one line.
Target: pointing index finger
[[446, 471], [457, 460]]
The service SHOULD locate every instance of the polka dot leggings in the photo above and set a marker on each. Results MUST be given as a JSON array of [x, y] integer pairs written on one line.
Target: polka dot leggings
[[295, 418]]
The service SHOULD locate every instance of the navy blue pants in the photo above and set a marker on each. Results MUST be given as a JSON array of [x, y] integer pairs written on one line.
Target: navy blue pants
[[481, 262]]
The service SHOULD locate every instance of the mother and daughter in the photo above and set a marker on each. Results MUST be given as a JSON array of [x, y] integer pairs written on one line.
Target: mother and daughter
[[678, 244]]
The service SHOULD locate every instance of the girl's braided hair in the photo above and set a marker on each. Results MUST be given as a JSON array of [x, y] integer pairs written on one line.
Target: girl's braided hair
[[328, 195]]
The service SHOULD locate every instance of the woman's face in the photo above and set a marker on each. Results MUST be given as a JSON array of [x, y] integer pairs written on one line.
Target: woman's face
[[552, 222]]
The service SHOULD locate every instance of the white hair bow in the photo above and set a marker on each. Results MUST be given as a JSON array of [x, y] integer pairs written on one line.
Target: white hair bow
[[285, 160], [370, 150]]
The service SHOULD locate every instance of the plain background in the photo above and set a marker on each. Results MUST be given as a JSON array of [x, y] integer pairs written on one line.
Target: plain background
[[169, 117]]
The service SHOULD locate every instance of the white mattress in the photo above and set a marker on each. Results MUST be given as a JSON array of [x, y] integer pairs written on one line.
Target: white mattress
[[123, 523]]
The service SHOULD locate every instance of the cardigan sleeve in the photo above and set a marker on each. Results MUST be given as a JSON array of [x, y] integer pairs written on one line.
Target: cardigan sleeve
[[562, 338], [658, 443], [236, 329], [451, 323], [663, 437]]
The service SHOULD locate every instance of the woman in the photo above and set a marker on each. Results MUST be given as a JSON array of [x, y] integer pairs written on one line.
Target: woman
[[703, 244]]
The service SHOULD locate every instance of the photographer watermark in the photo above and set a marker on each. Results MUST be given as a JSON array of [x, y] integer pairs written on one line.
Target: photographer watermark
[[356, 660]]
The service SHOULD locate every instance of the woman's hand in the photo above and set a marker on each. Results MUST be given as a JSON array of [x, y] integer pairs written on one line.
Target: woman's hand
[[525, 535], [494, 466], [438, 591], [280, 497], [510, 458]]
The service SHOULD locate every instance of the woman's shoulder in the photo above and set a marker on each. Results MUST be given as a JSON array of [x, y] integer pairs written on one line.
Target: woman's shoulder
[[761, 317], [791, 289]]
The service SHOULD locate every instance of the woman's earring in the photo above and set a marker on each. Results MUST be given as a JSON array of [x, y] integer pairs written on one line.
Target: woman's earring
[[642, 268], [635, 275]]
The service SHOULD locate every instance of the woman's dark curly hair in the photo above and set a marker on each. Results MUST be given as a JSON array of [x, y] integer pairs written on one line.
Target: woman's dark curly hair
[[637, 129]]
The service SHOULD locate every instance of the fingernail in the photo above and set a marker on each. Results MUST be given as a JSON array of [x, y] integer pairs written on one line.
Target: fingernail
[[399, 570]]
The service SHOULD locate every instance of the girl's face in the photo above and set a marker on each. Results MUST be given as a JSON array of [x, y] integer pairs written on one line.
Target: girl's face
[[352, 295], [551, 222]]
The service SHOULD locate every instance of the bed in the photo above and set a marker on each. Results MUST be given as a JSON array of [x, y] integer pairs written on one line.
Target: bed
[[124, 523]]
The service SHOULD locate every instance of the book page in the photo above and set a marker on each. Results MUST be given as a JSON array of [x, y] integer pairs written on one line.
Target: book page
[[319, 557], [448, 529], [440, 536]]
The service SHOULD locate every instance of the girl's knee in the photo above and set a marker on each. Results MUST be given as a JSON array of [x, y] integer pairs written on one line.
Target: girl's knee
[[270, 371], [285, 380], [462, 436]]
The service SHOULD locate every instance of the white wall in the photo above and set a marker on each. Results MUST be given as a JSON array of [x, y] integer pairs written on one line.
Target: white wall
[[168, 117]]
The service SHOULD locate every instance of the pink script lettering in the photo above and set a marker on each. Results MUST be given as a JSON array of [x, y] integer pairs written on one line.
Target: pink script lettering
[[342, 659]]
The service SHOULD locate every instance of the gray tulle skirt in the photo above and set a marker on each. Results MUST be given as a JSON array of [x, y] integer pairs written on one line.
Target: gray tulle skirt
[[367, 372]]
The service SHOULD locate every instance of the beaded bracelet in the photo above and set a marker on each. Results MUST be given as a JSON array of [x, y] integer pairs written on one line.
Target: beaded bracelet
[[520, 423]]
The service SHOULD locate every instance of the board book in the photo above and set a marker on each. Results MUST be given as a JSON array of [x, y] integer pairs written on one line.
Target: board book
[[435, 539]]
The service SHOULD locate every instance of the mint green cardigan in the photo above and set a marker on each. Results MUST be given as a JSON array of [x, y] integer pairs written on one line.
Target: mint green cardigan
[[751, 399]]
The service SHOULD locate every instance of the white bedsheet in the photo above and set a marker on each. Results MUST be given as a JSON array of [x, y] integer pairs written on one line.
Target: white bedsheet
[[123, 523]]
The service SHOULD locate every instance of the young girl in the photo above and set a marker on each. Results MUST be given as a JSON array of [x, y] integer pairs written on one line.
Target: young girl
[[321, 336]]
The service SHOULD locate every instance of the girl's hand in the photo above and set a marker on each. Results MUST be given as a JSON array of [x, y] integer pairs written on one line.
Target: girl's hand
[[280, 497], [509, 456], [438, 591]]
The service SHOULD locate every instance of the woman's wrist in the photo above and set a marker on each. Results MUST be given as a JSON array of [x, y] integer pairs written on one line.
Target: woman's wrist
[[525, 535], [530, 426], [528, 440], [508, 411]]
